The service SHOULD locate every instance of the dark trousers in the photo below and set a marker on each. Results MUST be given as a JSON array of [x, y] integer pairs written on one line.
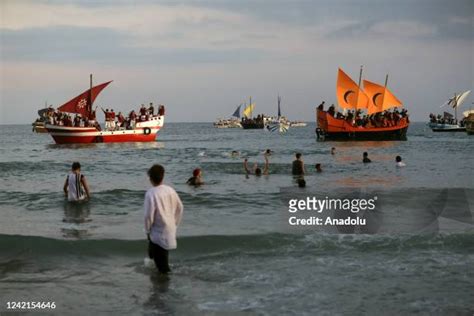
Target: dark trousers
[[160, 256]]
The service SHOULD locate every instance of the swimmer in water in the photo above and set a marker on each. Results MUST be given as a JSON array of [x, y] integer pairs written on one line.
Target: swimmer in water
[[318, 167], [196, 179], [365, 158], [234, 153], [256, 170]]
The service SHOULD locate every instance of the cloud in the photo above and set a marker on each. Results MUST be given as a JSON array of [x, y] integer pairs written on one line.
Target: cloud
[[204, 55]]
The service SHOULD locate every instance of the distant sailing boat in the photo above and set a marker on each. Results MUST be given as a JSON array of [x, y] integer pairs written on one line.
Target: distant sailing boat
[[281, 124], [249, 122], [374, 98], [233, 122], [448, 122]]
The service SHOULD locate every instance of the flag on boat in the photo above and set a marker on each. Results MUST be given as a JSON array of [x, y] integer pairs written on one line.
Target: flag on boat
[[280, 127], [349, 94], [237, 111], [380, 98], [248, 110], [82, 104]]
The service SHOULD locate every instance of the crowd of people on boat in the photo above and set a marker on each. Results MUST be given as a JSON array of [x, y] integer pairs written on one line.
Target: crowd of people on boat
[[446, 119], [357, 119], [113, 120], [259, 120]]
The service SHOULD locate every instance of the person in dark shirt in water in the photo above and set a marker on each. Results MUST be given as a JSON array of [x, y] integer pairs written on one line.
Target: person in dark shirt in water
[[298, 166], [318, 167], [256, 170], [366, 158], [196, 179]]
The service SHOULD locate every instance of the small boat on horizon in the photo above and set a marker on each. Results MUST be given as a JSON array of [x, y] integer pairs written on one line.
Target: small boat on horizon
[[377, 124], [232, 122], [40, 122], [279, 123], [250, 122], [298, 124], [85, 129], [449, 122]]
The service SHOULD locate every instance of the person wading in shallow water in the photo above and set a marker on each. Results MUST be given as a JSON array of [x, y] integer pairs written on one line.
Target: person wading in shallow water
[[75, 186], [163, 213], [297, 167], [365, 158], [256, 170], [196, 179]]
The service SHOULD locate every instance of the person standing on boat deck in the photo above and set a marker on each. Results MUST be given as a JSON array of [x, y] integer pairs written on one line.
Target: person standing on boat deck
[[298, 166], [163, 213], [143, 112], [151, 109], [112, 119], [321, 106], [399, 161], [120, 119], [365, 158], [92, 117], [107, 118], [76, 187], [133, 119], [256, 170]]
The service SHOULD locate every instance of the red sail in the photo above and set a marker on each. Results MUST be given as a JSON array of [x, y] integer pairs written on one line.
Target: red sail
[[83, 102]]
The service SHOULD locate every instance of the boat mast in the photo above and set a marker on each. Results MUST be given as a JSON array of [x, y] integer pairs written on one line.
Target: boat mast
[[360, 80], [386, 80], [89, 110], [251, 109], [455, 108], [279, 110]]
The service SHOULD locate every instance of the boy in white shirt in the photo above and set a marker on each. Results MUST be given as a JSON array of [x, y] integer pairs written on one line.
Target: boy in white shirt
[[163, 213]]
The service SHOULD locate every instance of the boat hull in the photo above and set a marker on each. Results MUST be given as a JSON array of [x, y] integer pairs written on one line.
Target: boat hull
[[330, 128], [470, 124], [253, 125], [436, 127], [143, 132]]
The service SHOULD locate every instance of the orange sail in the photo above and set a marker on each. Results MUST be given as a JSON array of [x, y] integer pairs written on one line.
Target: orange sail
[[380, 98], [349, 95]]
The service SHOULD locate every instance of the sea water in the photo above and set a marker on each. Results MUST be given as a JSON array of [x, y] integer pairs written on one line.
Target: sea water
[[234, 253]]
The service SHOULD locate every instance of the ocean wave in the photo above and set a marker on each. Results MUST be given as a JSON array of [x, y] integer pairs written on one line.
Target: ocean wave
[[201, 247]]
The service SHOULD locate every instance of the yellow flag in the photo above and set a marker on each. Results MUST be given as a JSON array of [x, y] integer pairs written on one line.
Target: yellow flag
[[248, 110]]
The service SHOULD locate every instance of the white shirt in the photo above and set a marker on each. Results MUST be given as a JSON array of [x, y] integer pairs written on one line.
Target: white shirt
[[400, 164], [75, 190], [163, 213]]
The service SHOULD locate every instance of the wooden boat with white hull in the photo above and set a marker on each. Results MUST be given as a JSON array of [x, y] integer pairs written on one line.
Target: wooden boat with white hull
[[376, 99], [144, 129], [449, 122]]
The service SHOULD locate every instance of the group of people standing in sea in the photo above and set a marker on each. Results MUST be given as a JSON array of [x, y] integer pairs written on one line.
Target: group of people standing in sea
[[113, 121], [375, 120], [163, 209], [298, 168]]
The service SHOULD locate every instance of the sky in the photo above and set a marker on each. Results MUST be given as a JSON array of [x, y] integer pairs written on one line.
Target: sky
[[201, 59]]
